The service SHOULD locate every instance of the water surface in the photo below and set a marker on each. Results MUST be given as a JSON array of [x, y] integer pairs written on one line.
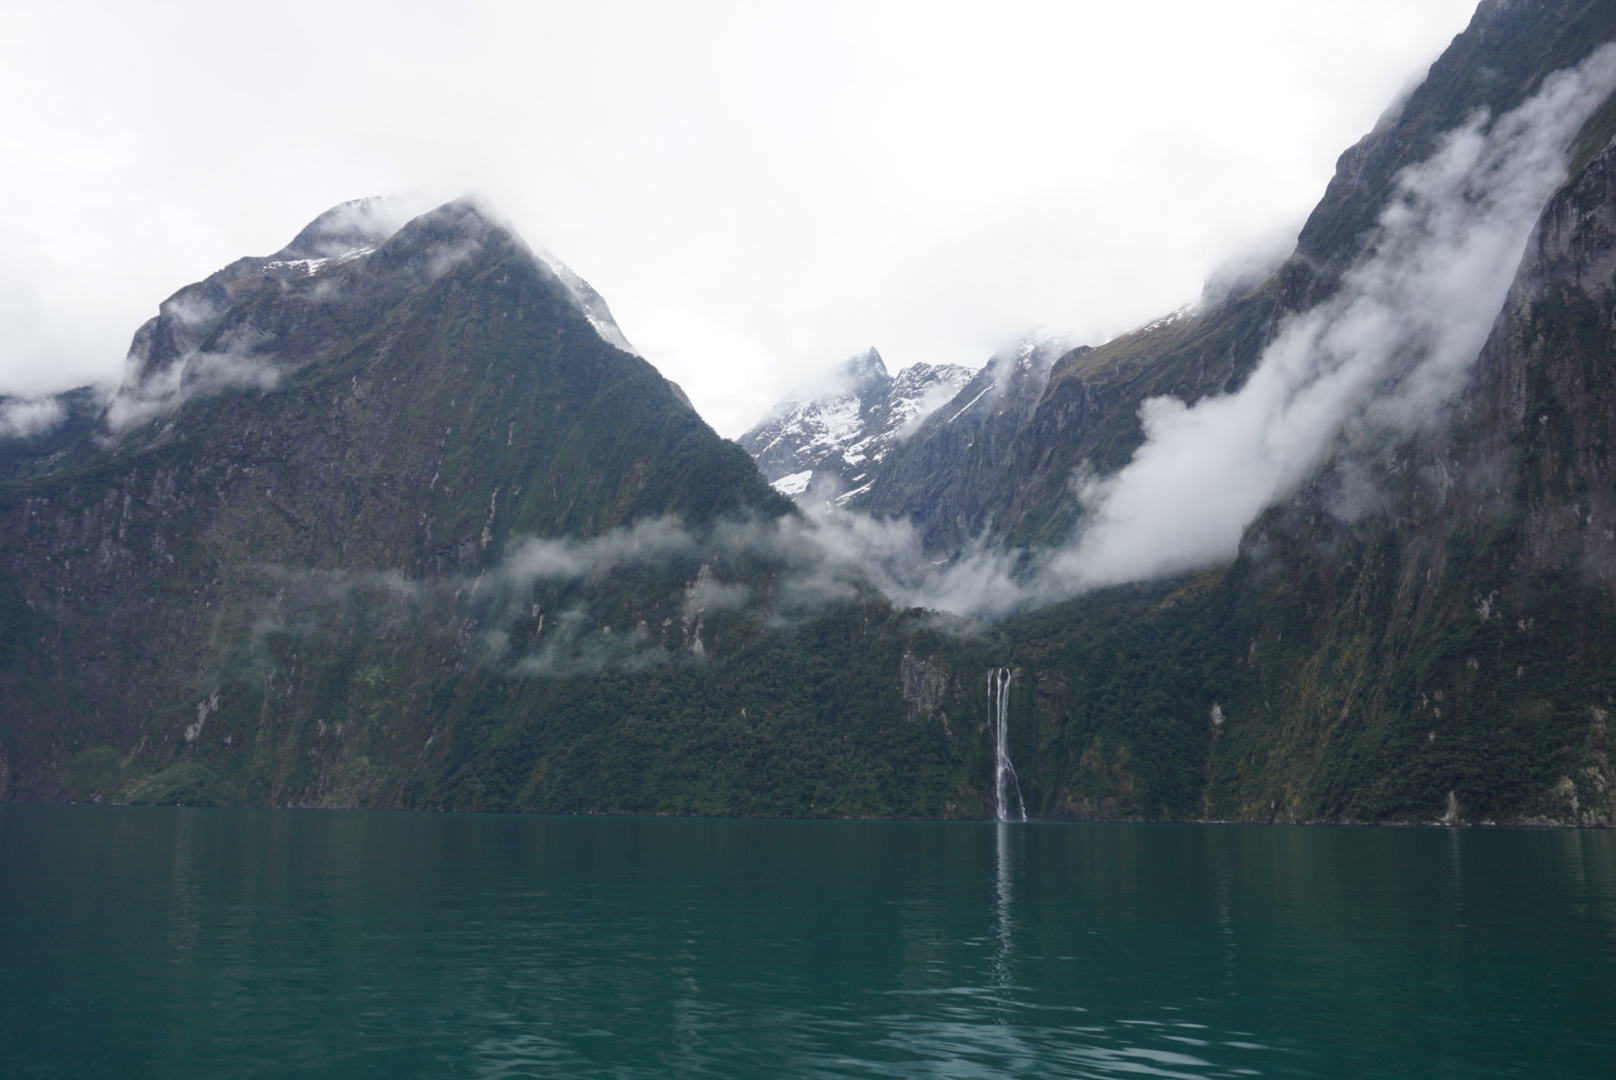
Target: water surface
[[156, 942]]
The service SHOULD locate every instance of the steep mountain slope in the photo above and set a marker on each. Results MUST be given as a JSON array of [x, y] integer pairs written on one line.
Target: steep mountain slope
[[837, 438], [1451, 651], [937, 478], [384, 520]]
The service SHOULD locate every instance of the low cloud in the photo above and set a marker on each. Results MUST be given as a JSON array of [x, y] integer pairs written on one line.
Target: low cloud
[[568, 559], [577, 646], [933, 399], [359, 225], [1244, 273], [25, 418], [201, 374], [534, 613]]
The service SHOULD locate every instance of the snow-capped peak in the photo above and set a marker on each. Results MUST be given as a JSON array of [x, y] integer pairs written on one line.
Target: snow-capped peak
[[840, 434]]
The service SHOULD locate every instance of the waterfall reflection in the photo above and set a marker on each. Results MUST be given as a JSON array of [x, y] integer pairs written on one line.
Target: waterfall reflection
[[1004, 924], [184, 927]]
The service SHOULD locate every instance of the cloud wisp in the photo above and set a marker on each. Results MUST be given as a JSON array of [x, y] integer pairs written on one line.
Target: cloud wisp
[[200, 374], [24, 418], [631, 598]]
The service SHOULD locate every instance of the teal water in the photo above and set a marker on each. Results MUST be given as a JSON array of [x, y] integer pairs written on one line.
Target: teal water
[[155, 942]]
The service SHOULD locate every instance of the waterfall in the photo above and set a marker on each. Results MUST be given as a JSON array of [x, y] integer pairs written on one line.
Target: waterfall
[[1003, 770]]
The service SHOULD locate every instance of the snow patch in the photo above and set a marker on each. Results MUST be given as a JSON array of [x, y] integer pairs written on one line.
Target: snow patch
[[968, 404], [843, 500], [795, 484]]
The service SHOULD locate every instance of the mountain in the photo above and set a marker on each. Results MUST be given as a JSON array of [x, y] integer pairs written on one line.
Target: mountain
[[837, 438], [392, 518], [1087, 419], [389, 518]]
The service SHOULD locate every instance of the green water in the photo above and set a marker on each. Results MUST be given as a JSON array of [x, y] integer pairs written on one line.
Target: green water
[[154, 942]]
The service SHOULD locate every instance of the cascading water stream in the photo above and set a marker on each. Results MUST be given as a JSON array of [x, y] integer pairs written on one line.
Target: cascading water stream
[[1003, 769]]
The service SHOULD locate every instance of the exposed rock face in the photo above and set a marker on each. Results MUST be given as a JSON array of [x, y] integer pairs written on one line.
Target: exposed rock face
[[939, 476], [836, 440]]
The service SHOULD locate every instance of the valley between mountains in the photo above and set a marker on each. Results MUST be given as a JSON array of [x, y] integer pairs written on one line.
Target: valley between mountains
[[396, 517]]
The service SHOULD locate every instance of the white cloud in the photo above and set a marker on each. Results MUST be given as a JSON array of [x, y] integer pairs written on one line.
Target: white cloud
[[22, 418], [199, 375], [1382, 357], [1379, 361]]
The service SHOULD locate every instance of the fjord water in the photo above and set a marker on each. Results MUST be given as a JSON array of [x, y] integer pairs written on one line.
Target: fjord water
[[157, 942]]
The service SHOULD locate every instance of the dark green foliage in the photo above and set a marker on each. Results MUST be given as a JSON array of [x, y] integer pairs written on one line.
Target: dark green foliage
[[1128, 677]]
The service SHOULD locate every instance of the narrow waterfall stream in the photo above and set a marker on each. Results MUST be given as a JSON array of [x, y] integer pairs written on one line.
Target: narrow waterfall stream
[[1004, 772]]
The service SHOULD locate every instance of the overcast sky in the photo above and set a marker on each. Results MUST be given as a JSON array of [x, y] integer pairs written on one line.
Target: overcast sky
[[759, 190]]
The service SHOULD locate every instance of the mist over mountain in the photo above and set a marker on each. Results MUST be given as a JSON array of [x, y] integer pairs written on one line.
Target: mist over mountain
[[396, 517]]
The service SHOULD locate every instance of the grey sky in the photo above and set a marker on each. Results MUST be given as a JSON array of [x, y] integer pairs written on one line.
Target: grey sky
[[759, 190]]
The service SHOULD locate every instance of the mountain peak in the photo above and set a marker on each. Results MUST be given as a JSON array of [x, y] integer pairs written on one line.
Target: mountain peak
[[259, 317], [346, 227], [866, 368], [838, 435], [442, 237]]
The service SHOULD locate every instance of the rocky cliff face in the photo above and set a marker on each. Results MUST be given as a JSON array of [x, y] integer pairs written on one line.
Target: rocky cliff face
[[836, 440], [937, 476]]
